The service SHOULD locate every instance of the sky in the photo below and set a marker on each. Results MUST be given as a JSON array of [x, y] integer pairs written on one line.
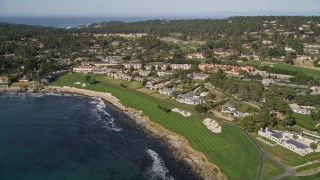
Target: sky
[[127, 8]]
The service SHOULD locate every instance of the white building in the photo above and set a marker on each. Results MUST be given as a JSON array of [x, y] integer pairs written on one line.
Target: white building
[[134, 65], [285, 139], [298, 109], [181, 66], [190, 98]]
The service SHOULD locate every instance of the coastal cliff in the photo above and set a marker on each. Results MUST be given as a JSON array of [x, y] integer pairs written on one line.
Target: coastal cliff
[[178, 145]]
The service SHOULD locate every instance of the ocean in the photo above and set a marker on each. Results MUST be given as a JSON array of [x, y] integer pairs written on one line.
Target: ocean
[[60, 136], [60, 22]]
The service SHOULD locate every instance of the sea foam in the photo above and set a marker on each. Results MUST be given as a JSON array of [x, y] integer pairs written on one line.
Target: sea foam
[[158, 169], [103, 116]]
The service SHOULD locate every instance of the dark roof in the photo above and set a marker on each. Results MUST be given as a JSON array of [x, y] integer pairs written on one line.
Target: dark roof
[[297, 144], [276, 134]]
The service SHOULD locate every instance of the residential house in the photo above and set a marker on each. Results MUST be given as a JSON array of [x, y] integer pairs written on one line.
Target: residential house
[[267, 82], [223, 53], [85, 69], [315, 90], [181, 66], [167, 91], [134, 65], [199, 76], [153, 86], [139, 79], [24, 78], [298, 109], [144, 73], [4, 79], [289, 49], [195, 56], [190, 98], [232, 111], [161, 73]]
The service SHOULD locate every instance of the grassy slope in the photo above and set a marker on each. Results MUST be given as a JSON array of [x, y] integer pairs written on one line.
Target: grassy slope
[[310, 72], [287, 156], [308, 167], [305, 121], [270, 169], [313, 177], [230, 150]]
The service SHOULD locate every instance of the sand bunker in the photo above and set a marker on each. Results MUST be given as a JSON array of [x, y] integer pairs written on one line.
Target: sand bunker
[[183, 113], [212, 125]]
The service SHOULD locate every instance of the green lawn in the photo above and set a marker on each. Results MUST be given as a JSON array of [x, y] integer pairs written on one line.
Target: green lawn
[[231, 150], [270, 169], [310, 72], [308, 167], [305, 121], [288, 157], [313, 177]]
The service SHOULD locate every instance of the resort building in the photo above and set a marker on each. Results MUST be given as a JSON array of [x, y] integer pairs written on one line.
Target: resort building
[[291, 141]]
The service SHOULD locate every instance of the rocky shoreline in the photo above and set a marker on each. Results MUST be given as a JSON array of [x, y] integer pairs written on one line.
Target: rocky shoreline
[[178, 145]]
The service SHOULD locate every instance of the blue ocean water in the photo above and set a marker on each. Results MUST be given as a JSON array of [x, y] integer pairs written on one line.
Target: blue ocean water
[[66, 21], [56, 136]]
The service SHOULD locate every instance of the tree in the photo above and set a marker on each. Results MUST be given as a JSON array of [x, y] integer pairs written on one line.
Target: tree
[[313, 146], [87, 78], [144, 82], [201, 108]]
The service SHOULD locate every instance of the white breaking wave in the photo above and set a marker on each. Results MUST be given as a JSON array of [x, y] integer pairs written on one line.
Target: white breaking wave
[[108, 122], [59, 94], [158, 170]]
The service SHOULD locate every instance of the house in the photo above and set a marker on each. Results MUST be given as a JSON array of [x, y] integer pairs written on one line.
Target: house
[[292, 141], [85, 69], [298, 109], [222, 52], [119, 75], [195, 56], [156, 66], [139, 79], [289, 49], [199, 76], [160, 73], [189, 98], [144, 73], [152, 86], [4, 79], [231, 111], [167, 91], [134, 65], [315, 90], [181, 66], [24, 78], [267, 82]]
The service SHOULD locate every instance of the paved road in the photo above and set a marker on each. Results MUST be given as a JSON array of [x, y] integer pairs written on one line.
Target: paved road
[[310, 174], [261, 155]]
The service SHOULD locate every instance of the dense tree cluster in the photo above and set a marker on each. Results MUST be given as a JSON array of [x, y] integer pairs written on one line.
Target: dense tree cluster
[[248, 91]]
